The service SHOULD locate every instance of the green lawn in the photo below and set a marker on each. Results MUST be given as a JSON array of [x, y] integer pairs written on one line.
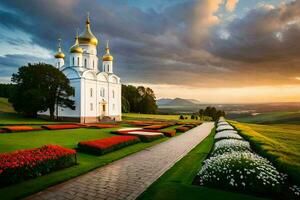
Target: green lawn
[[13, 118], [67, 138], [176, 183], [273, 118], [5, 106], [280, 143]]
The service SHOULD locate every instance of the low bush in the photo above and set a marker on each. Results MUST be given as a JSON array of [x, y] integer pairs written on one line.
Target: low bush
[[227, 135], [182, 129], [61, 126], [229, 146], [157, 126], [242, 171], [106, 145], [224, 127], [102, 125], [25, 164], [20, 128], [169, 133]]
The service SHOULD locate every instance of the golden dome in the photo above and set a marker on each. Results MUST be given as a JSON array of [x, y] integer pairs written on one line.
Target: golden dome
[[107, 56], [59, 53], [88, 37], [76, 48]]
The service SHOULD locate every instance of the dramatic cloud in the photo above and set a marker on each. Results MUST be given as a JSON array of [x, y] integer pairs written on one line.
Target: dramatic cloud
[[183, 43]]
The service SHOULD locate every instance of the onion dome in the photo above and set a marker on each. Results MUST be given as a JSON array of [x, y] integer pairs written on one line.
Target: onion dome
[[107, 56], [76, 48], [59, 53], [88, 37]]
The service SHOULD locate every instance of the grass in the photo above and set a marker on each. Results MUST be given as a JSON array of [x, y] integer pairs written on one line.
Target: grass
[[67, 138], [14, 118], [5, 106], [137, 116], [279, 143], [273, 118], [176, 183]]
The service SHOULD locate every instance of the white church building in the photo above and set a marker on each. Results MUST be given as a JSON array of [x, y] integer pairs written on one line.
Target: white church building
[[97, 88]]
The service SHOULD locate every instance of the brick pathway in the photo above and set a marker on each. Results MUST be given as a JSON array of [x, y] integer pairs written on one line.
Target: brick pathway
[[128, 177]]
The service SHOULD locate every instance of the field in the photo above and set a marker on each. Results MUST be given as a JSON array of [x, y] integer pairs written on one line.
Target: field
[[176, 183], [5, 106], [280, 143], [272, 118]]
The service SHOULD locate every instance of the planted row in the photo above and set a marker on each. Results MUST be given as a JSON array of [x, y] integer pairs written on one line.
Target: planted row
[[25, 164]]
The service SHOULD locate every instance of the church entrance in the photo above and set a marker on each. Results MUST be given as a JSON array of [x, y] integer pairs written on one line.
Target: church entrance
[[103, 109]]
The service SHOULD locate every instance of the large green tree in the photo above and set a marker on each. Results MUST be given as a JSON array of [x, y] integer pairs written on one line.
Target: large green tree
[[40, 87], [138, 99]]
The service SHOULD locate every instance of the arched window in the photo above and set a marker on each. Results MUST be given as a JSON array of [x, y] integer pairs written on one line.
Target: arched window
[[102, 92], [113, 106], [58, 64], [108, 68], [78, 61], [113, 94], [91, 92], [93, 64], [84, 62], [73, 61], [91, 106]]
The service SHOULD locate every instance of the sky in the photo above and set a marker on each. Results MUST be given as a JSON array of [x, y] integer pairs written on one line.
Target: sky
[[215, 51]]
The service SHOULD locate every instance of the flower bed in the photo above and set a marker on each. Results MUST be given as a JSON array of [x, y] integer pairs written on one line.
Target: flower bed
[[169, 133], [227, 135], [102, 125], [106, 145], [61, 126], [242, 171], [20, 128], [144, 135], [224, 127], [25, 164], [182, 129], [157, 126], [229, 146]]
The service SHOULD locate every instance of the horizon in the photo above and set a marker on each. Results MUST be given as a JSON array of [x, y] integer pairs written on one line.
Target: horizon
[[219, 52]]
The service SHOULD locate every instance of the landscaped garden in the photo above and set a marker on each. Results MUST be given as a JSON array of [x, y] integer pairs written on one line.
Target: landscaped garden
[[227, 166], [89, 146]]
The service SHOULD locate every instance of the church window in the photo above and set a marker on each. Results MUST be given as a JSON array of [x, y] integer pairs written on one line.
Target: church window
[[91, 106], [108, 68], [93, 64], [84, 62], [113, 106], [91, 92], [78, 61], [58, 64], [102, 92], [113, 94], [73, 61]]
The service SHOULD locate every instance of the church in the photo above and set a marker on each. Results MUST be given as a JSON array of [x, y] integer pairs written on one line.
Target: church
[[97, 88]]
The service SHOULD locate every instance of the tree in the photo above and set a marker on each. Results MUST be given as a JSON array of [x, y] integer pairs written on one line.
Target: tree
[[181, 117], [6, 90], [40, 87]]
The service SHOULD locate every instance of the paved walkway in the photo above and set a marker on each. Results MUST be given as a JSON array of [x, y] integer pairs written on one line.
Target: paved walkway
[[128, 177]]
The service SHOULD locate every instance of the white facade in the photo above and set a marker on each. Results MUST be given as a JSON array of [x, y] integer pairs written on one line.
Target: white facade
[[97, 88]]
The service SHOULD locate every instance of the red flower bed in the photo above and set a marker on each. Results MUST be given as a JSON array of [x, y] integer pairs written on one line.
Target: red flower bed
[[20, 128], [169, 133], [182, 129], [25, 164], [102, 125], [102, 146], [3, 131], [157, 126], [61, 126], [143, 138]]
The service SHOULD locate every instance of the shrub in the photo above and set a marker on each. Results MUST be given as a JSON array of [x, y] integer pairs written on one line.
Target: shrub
[[25, 164], [102, 125], [61, 126], [224, 127], [169, 133], [227, 135], [192, 116], [229, 146], [242, 171], [181, 117], [103, 146], [20, 128], [182, 129]]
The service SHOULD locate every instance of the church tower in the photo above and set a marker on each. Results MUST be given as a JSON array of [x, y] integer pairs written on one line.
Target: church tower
[[88, 42], [59, 56], [107, 59], [76, 54]]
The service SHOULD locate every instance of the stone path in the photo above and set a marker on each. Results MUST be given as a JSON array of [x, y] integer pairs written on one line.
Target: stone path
[[128, 177]]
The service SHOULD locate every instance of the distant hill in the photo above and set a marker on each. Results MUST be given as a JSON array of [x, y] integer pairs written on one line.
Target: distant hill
[[177, 102]]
